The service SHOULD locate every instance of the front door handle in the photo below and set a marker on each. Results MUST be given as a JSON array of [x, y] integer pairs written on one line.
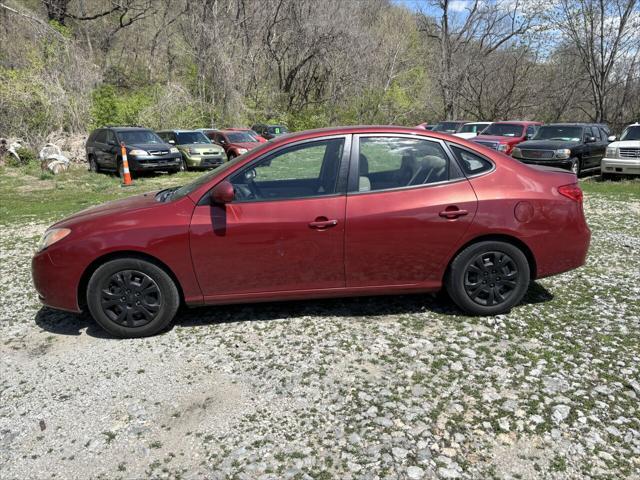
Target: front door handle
[[451, 213], [322, 223]]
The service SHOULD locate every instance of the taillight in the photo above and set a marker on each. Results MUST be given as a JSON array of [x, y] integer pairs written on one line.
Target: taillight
[[572, 192]]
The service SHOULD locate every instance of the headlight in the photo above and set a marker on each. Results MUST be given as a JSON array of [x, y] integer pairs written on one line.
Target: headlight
[[563, 153], [516, 152], [242, 150], [52, 236], [502, 147], [173, 150], [138, 153], [612, 152]]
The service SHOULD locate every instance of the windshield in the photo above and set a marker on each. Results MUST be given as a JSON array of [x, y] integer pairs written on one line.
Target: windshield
[[139, 136], [277, 130], [239, 137], [185, 138], [568, 134], [631, 133], [446, 127], [504, 130], [473, 127]]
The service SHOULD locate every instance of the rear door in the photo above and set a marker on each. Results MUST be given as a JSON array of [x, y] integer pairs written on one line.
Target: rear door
[[408, 205], [284, 231]]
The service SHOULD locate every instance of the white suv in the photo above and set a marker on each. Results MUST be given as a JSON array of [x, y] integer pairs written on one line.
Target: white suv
[[472, 129], [623, 156]]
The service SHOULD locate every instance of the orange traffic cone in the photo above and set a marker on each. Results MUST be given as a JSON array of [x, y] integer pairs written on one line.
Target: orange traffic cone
[[126, 176]]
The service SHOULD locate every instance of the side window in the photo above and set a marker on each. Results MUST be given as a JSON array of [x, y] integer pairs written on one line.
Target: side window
[[471, 163], [101, 136], [588, 133], [395, 162], [603, 135], [306, 170]]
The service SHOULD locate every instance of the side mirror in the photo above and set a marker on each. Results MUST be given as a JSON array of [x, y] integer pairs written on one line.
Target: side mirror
[[222, 193], [172, 142], [612, 138], [528, 136], [589, 139]]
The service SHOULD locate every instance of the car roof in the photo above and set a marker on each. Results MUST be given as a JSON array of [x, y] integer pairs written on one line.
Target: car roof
[[179, 130], [126, 129], [518, 122]]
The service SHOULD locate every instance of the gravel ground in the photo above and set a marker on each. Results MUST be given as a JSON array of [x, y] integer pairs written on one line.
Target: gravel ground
[[390, 387]]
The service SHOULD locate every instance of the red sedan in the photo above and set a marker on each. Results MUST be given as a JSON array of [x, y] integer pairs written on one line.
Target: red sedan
[[323, 213]]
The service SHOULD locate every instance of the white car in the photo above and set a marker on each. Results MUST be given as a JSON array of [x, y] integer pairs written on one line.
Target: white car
[[623, 156], [470, 130]]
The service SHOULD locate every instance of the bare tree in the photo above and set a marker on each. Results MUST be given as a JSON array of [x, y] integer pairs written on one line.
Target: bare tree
[[604, 33]]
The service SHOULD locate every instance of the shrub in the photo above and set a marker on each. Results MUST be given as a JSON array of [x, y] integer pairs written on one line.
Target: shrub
[[27, 156]]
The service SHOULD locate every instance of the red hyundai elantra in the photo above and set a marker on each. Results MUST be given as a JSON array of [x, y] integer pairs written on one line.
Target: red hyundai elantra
[[323, 213]]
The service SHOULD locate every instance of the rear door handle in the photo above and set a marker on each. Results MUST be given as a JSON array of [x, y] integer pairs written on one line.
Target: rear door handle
[[452, 213], [322, 223]]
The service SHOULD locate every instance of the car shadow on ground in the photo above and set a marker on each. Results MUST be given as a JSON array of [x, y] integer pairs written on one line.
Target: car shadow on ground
[[64, 323]]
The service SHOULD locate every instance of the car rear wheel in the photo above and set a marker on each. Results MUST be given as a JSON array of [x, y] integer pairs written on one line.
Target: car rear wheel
[[130, 298], [488, 278]]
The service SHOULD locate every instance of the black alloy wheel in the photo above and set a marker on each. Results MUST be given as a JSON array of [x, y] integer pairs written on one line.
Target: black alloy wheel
[[130, 298], [490, 279]]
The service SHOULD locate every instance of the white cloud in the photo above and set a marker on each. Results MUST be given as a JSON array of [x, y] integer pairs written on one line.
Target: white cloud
[[458, 5]]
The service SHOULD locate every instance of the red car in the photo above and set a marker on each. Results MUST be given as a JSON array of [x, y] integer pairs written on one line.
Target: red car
[[503, 136], [250, 132], [234, 142], [324, 213]]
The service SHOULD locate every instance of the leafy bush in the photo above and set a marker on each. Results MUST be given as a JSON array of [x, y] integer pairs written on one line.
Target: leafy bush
[[27, 156]]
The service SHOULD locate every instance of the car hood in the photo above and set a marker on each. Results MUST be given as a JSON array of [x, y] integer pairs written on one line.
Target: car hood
[[247, 145], [149, 146], [547, 144], [496, 138], [136, 202], [626, 144], [202, 147]]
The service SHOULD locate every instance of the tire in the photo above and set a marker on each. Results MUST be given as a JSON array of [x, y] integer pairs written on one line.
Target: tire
[[576, 166], [93, 165], [120, 169], [117, 302], [183, 165], [231, 156], [474, 266]]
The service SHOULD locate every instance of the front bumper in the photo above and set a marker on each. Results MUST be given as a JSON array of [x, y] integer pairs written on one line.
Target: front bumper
[[554, 162], [204, 161], [56, 284], [622, 166], [155, 162]]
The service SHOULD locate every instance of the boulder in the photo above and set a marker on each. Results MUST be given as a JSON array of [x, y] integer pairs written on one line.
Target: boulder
[[52, 159]]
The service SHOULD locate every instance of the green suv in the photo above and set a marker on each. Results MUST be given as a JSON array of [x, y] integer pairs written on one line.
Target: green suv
[[196, 149]]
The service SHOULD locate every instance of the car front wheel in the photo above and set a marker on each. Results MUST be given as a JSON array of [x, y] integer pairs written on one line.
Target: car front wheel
[[129, 298], [576, 166], [93, 165], [488, 278]]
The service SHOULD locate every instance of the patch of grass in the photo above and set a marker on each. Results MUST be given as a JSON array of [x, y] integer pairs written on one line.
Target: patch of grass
[[626, 189]]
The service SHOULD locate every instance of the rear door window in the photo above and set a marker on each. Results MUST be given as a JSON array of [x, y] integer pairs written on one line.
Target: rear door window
[[471, 163]]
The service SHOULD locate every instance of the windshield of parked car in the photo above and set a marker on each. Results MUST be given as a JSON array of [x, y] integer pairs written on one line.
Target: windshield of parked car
[[504, 130], [551, 132], [277, 130], [447, 127], [139, 136], [239, 137], [185, 138], [473, 127], [631, 133]]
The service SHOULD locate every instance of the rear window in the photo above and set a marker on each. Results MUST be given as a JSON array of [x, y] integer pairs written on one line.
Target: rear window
[[471, 163]]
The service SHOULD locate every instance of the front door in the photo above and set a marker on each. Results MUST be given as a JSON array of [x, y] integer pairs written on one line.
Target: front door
[[406, 212], [285, 229]]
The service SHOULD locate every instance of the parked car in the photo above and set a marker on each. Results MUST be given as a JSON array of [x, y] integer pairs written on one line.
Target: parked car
[[233, 142], [269, 131], [472, 129], [574, 146], [259, 138], [449, 126], [344, 211], [146, 151], [504, 136], [623, 157], [425, 126], [196, 148]]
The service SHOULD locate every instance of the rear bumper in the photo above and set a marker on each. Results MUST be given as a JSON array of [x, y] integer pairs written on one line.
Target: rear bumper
[[621, 166]]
